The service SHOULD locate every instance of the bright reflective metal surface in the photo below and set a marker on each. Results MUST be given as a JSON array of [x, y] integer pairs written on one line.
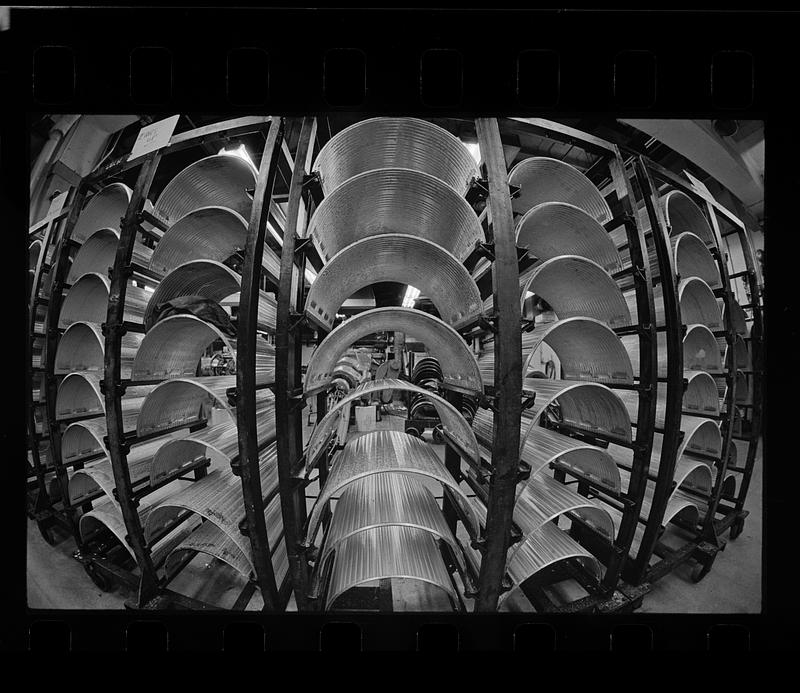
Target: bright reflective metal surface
[[173, 347], [208, 233], [408, 143], [395, 258], [684, 216], [698, 304], [693, 259], [543, 499], [395, 201], [586, 406], [222, 438], [104, 210], [81, 349], [459, 366], [383, 500], [577, 287], [220, 180], [558, 228], [87, 300], [387, 552], [453, 423], [210, 279], [380, 452], [545, 547], [218, 498], [542, 179]]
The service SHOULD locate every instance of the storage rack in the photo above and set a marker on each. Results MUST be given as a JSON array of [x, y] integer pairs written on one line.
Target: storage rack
[[47, 234], [704, 542], [138, 219], [732, 513], [608, 168], [486, 579]]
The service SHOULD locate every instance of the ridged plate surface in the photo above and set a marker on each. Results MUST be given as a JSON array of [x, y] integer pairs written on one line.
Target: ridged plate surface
[[575, 286], [590, 407], [222, 438], [210, 279], [395, 201], [82, 345], [395, 258], [381, 452], [683, 215], [395, 143], [551, 229], [387, 552], [208, 233], [454, 424], [173, 347], [383, 500], [460, 368], [218, 498], [542, 179], [220, 180], [104, 210]]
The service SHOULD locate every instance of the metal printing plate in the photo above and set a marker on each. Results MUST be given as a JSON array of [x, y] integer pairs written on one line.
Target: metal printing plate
[[387, 552], [684, 216], [383, 500], [395, 258], [454, 424], [210, 279], [395, 201], [577, 287], [173, 347], [459, 366], [208, 233], [542, 179], [220, 180], [551, 229], [408, 143], [104, 210], [380, 452]]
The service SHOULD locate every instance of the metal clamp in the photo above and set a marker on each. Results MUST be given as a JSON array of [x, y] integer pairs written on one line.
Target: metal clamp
[[296, 320], [301, 245], [478, 190], [485, 249], [487, 322], [478, 544]]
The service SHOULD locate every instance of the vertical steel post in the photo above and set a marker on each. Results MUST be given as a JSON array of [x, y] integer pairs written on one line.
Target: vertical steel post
[[757, 332], [648, 371], [248, 467], [507, 368], [58, 272], [112, 387], [708, 526], [287, 370], [674, 348], [452, 460]]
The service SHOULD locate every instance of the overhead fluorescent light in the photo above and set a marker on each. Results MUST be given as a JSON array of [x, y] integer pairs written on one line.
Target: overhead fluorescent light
[[239, 151], [411, 295]]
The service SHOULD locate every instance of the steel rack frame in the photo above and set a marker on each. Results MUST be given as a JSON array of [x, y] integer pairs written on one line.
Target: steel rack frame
[[612, 595], [41, 507], [733, 516], [56, 281], [288, 382], [707, 541], [152, 592], [638, 570], [304, 194]]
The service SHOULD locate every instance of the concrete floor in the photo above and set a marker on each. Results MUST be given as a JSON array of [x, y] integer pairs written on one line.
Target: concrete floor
[[57, 580]]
